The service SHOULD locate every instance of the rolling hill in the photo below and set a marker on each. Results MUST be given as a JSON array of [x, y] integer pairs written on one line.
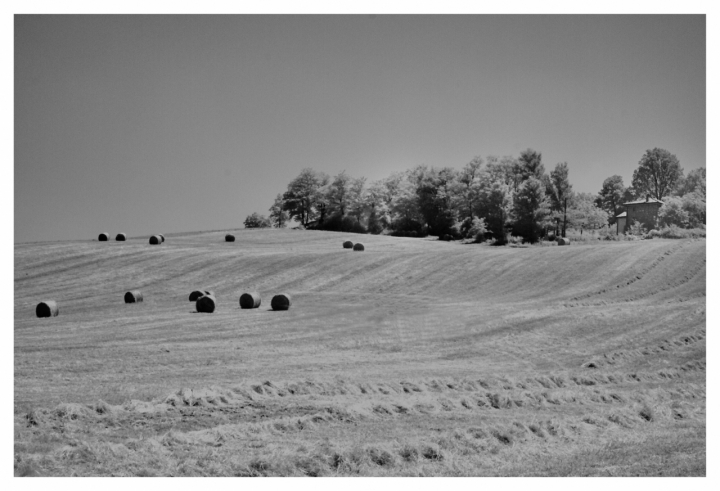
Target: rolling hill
[[413, 357]]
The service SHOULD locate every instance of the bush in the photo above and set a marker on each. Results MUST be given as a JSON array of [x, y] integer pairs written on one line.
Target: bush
[[675, 232], [257, 221], [337, 223], [636, 228], [475, 229], [672, 213]]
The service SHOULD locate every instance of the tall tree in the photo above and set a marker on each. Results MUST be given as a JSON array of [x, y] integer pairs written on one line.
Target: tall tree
[[529, 164], [303, 193], [558, 187], [657, 173], [495, 206], [611, 197], [467, 186], [530, 209], [693, 183], [278, 217]]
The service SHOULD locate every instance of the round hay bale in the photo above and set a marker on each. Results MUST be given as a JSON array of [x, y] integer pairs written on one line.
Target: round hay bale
[[561, 241], [103, 237], [281, 301], [199, 293], [347, 245], [358, 247], [155, 239], [133, 296], [229, 238], [121, 237], [162, 237], [447, 238], [205, 304], [48, 308], [250, 300]]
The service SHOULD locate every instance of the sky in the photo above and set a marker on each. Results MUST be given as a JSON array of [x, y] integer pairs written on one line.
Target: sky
[[162, 124]]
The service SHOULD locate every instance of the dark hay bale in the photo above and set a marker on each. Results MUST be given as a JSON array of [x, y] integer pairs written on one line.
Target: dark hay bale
[[205, 304], [155, 239], [358, 247], [121, 237], [281, 302], [103, 237], [162, 237], [48, 308], [347, 245], [133, 296], [563, 241], [250, 300], [199, 293], [229, 238]]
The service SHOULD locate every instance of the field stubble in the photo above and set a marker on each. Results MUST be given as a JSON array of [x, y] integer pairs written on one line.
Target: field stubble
[[415, 357]]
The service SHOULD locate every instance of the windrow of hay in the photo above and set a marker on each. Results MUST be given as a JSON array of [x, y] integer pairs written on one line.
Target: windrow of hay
[[229, 238], [347, 245], [121, 237], [156, 239], [199, 293], [205, 304], [281, 301], [358, 247], [103, 237], [133, 296], [250, 300], [563, 241], [48, 308]]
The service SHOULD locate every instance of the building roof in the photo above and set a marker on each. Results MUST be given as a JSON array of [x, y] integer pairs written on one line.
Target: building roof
[[643, 201], [622, 215]]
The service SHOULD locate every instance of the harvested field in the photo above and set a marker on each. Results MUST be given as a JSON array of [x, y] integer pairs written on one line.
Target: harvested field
[[419, 357]]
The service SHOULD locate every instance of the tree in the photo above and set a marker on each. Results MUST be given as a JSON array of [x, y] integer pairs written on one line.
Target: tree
[[303, 194], [337, 194], [585, 213], [495, 206], [657, 173], [530, 208], [278, 217], [529, 164], [694, 183], [434, 191], [672, 213], [558, 187], [694, 205], [257, 221], [467, 189], [611, 197]]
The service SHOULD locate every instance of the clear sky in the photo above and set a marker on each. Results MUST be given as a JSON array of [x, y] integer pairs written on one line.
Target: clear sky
[[161, 124]]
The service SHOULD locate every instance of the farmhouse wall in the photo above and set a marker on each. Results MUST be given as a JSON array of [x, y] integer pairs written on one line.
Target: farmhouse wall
[[645, 213]]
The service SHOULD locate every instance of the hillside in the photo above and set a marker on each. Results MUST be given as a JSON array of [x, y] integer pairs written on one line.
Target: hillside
[[414, 357]]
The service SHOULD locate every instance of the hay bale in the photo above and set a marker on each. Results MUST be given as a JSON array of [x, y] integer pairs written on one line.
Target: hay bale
[[199, 293], [229, 238], [347, 245], [205, 304], [48, 308], [281, 301], [162, 237], [563, 241], [250, 300], [103, 237], [155, 239], [358, 247], [133, 296], [121, 237]]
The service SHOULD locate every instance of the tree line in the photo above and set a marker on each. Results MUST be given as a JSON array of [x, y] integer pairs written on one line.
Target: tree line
[[490, 198]]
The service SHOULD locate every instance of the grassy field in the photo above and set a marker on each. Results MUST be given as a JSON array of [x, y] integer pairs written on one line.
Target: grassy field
[[413, 358]]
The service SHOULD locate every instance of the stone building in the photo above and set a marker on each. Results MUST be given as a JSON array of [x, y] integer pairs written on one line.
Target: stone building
[[644, 211]]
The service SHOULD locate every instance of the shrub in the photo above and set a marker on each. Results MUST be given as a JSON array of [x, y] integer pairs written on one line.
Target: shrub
[[257, 221], [477, 230], [337, 223], [636, 228], [672, 213]]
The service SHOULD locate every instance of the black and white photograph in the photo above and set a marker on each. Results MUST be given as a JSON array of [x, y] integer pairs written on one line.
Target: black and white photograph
[[370, 243]]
